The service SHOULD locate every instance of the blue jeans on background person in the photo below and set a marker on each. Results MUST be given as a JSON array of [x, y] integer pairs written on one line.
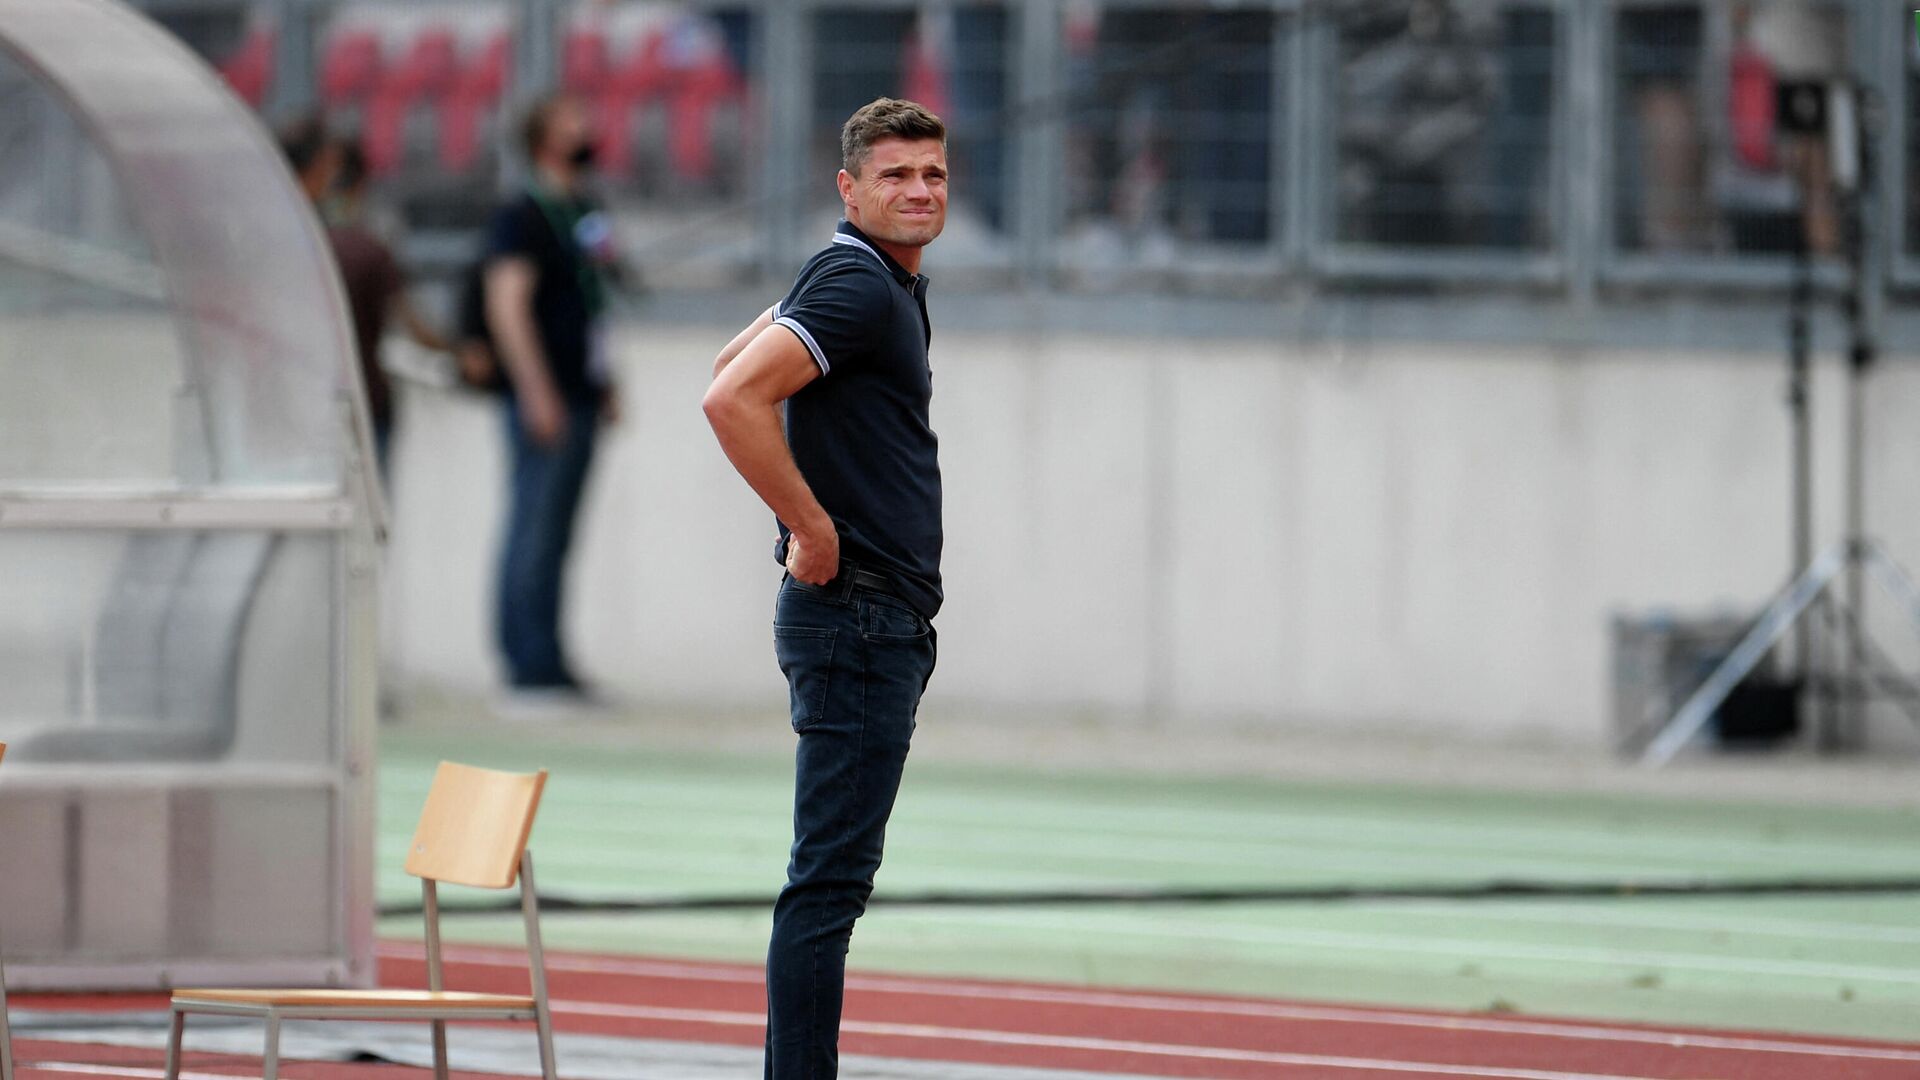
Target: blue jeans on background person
[[543, 499], [856, 663]]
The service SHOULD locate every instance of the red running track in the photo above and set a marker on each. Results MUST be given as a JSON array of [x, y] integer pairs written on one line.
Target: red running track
[[1119, 1032]]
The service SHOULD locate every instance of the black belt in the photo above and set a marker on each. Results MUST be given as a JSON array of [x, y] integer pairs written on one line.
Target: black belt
[[880, 583]]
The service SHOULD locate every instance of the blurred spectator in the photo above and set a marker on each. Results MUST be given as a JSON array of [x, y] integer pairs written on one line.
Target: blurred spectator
[[1418, 85], [1659, 62], [1171, 115], [1774, 184], [313, 155], [376, 290], [545, 293], [1706, 163]]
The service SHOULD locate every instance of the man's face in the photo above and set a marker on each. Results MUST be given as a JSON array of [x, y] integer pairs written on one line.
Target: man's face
[[568, 129], [900, 196]]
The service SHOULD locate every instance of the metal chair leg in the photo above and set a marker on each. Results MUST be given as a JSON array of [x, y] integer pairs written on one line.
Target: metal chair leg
[[543, 1021], [439, 1050], [270, 1061], [6, 1029], [175, 1030]]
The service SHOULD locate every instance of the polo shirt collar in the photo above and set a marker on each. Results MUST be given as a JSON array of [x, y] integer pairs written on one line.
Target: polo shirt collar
[[849, 234]]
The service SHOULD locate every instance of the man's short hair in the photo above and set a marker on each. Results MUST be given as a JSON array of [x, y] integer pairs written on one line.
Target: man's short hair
[[304, 140], [881, 119], [537, 120]]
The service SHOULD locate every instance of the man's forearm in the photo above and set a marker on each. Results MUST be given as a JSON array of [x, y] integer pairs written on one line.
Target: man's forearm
[[752, 439], [521, 355]]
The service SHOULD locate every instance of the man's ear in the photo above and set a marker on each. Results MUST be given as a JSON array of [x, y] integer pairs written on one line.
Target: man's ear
[[844, 182]]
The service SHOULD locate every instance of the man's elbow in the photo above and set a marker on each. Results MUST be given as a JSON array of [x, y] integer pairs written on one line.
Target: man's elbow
[[721, 405]]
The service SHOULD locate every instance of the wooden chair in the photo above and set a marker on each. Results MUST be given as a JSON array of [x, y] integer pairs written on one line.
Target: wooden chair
[[6, 1030], [473, 832]]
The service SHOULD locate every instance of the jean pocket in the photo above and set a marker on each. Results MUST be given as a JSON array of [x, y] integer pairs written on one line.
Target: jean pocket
[[805, 654], [891, 622]]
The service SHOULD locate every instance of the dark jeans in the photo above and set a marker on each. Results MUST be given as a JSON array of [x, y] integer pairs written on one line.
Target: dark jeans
[[856, 663], [543, 498]]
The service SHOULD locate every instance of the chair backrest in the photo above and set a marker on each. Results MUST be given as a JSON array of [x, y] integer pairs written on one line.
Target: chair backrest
[[474, 827]]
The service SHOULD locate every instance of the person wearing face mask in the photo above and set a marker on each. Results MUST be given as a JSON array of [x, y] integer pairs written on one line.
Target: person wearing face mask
[[545, 283]]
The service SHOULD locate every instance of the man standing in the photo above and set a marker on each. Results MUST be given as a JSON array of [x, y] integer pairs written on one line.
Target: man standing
[[376, 292], [547, 251], [855, 484]]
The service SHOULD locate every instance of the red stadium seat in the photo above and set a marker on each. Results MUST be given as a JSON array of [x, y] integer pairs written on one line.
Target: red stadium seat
[[475, 95], [924, 74], [638, 80], [423, 75], [702, 80], [250, 67], [350, 68], [583, 62]]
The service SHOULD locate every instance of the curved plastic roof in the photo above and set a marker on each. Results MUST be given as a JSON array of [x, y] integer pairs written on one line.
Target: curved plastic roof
[[170, 316]]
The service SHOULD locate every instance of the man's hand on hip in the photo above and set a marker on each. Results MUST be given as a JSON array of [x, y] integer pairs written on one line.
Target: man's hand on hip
[[814, 556]]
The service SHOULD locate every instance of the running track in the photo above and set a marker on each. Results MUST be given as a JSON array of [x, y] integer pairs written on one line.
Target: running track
[[1121, 1032]]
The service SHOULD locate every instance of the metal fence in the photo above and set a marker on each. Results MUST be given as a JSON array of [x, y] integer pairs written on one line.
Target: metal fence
[[1576, 147]]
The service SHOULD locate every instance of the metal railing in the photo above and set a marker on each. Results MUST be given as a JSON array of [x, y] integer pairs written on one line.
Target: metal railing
[[1578, 149]]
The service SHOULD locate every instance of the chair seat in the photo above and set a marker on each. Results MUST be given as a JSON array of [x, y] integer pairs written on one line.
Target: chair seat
[[397, 1000]]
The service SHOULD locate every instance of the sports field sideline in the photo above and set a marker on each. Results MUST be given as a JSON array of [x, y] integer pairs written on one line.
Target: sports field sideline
[[1145, 915], [1801, 917]]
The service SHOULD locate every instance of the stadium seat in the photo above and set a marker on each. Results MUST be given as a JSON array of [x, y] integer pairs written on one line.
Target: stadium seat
[[423, 74], [703, 80], [473, 832], [250, 67], [630, 84], [6, 1029], [583, 62], [350, 68], [475, 94]]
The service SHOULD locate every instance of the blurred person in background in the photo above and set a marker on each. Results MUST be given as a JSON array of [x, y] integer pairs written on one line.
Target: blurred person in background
[[1775, 183], [376, 290], [822, 405], [1419, 84], [313, 155], [545, 292], [1660, 61]]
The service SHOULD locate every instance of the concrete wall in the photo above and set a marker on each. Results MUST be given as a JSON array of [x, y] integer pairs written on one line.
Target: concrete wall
[[1221, 532]]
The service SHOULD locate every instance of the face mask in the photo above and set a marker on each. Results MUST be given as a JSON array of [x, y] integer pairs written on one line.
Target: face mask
[[582, 156]]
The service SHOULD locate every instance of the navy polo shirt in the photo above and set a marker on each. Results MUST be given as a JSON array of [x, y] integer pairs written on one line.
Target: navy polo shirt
[[859, 432]]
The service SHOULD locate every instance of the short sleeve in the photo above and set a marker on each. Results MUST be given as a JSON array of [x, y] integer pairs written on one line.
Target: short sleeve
[[511, 234], [837, 312]]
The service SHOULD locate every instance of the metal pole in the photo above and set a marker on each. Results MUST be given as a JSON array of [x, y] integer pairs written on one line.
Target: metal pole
[[786, 105], [1040, 139], [436, 981], [1581, 195], [295, 85], [6, 1029], [1856, 128], [1799, 374], [537, 965]]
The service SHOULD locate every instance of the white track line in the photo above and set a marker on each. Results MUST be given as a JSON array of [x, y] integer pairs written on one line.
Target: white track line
[[1097, 999], [79, 1069], [1069, 1042]]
